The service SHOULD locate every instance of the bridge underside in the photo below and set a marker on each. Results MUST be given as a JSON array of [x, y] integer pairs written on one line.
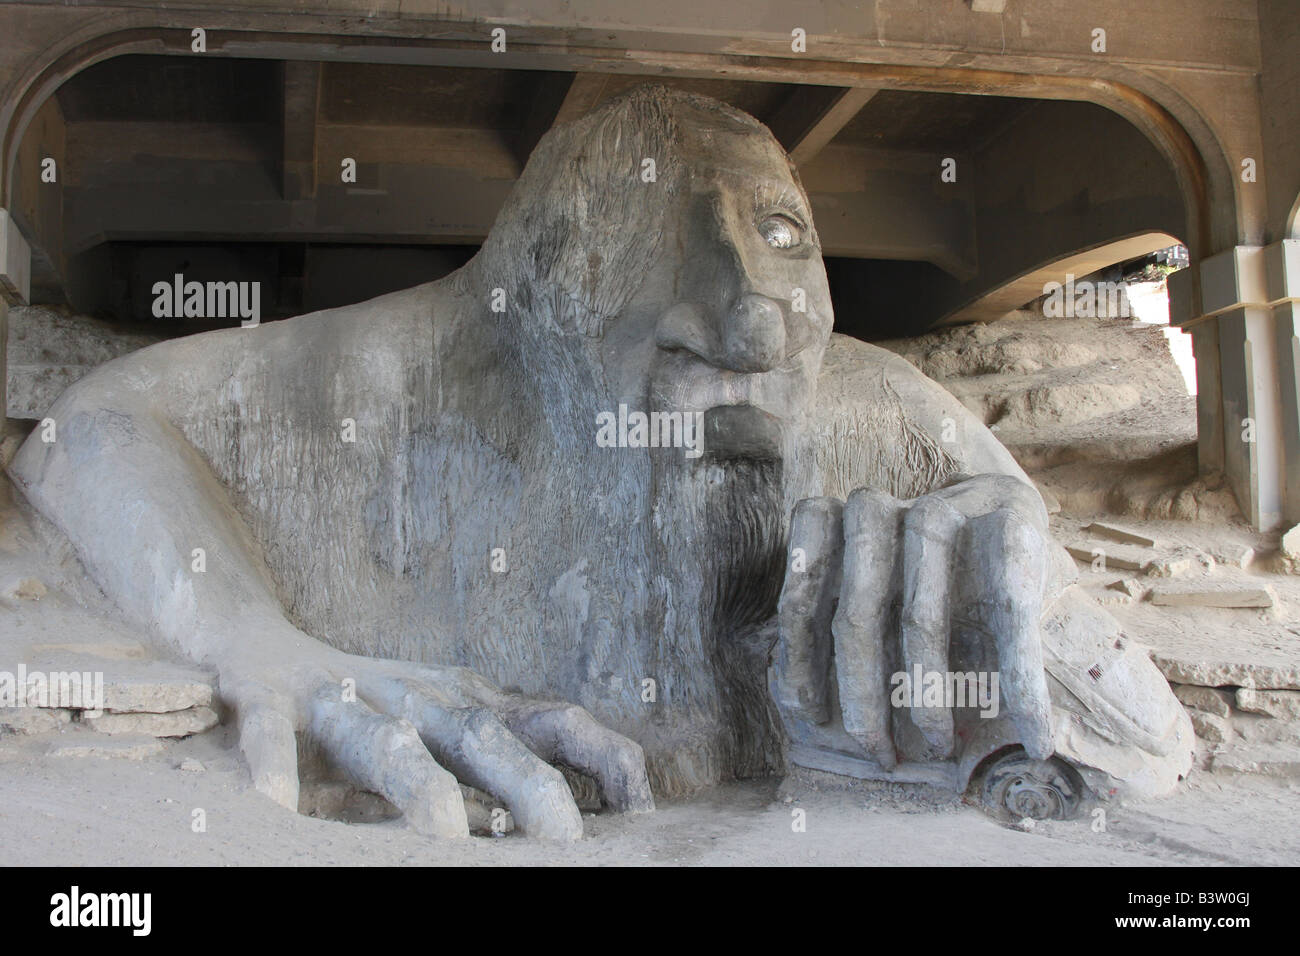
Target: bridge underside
[[238, 164]]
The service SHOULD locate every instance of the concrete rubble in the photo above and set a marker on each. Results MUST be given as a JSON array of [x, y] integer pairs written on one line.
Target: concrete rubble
[[1282, 704], [140, 697], [1120, 534], [1244, 730], [181, 723], [1112, 557], [109, 695], [1212, 597], [1209, 700]]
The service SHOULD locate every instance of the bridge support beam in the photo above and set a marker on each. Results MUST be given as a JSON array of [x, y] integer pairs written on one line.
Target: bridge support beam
[[1241, 308], [1283, 272], [15, 285]]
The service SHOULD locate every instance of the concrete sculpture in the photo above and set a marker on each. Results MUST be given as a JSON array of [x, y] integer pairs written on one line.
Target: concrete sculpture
[[619, 466]]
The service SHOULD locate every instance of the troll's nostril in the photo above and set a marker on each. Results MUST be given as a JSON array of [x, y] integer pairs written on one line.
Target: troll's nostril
[[685, 326]]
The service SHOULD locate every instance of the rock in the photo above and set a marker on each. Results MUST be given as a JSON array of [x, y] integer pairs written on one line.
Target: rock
[[140, 693], [179, 723], [1234, 556], [1210, 728], [1171, 566], [1113, 557], [1217, 648], [986, 350], [1067, 404], [1026, 824], [121, 748], [1112, 597], [131, 684], [1262, 729], [1122, 535], [1270, 760], [1216, 597], [1291, 543], [1129, 586], [190, 765], [1281, 704], [50, 348], [1224, 672], [1207, 699], [32, 720]]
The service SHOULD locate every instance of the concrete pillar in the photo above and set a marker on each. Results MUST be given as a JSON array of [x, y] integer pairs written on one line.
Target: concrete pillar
[[1282, 270], [15, 286], [1287, 328], [4, 355], [1252, 413], [1209, 397], [1239, 306]]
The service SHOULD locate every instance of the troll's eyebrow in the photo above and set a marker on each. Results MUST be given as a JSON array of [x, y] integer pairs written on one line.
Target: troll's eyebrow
[[768, 194]]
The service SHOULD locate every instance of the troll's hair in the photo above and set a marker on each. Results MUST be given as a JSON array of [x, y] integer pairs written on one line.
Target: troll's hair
[[574, 239]]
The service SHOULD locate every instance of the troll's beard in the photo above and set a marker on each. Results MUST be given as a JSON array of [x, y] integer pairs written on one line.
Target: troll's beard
[[721, 529], [683, 558]]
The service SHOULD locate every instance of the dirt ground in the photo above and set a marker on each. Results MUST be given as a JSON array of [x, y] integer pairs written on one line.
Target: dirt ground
[[73, 812]]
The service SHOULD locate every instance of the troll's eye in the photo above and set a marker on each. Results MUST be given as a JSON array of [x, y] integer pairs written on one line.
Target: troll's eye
[[779, 232]]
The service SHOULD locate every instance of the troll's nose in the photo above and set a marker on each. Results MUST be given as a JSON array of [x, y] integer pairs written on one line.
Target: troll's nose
[[753, 334], [749, 336]]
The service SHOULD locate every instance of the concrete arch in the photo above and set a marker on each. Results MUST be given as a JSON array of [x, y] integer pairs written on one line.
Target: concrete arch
[[38, 83], [1029, 285]]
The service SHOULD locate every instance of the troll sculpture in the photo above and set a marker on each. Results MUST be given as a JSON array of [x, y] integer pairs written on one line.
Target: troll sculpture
[[407, 497]]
